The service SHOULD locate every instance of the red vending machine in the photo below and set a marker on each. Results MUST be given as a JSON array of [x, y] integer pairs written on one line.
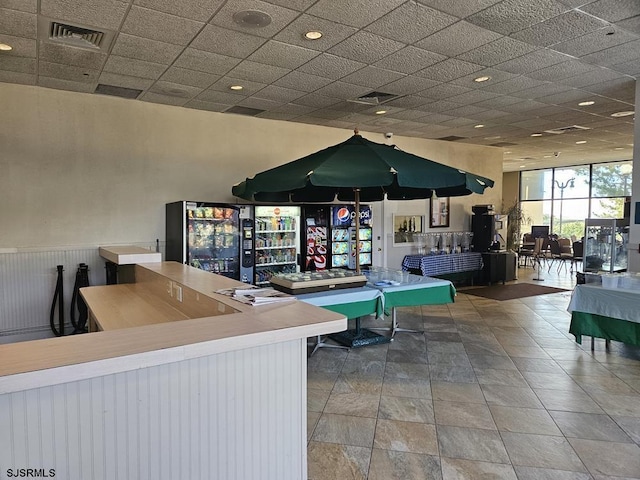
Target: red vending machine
[[315, 238], [343, 236]]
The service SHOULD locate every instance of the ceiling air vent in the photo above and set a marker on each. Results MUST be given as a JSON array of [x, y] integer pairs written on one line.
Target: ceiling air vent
[[374, 98], [252, 112], [570, 128], [112, 90], [451, 138], [502, 144], [74, 35]]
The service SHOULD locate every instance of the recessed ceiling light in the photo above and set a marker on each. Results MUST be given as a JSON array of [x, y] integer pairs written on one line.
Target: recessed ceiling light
[[252, 18], [625, 113], [507, 152], [586, 104], [236, 87], [536, 134], [381, 112], [580, 142], [313, 35], [522, 166], [482, 79], [619, 148], [495, 137], [5, 47], [478, 126], [547, 156]]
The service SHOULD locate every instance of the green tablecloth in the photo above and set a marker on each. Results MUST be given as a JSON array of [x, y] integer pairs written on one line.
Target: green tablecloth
[[350, 302], [604, 327], [417, 290]]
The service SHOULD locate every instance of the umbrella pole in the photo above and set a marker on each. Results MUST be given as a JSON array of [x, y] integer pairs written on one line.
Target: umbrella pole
[[357, 198]]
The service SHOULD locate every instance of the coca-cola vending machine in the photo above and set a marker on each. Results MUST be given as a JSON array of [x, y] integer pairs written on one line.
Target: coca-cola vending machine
[[315, 238], [343, 236]]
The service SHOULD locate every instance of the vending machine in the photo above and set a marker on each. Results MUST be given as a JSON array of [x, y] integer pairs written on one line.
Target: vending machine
[[277, 234], [204, 235], [343, 236], [315, 238]]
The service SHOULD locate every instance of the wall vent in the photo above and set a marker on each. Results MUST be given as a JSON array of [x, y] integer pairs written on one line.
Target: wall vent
[[71, 35], [451, 138], [374, 98], [570, 128], [238, 110], [114, 91]]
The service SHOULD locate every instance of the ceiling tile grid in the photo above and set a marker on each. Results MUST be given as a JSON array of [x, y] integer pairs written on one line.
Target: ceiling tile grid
[[542, 58]]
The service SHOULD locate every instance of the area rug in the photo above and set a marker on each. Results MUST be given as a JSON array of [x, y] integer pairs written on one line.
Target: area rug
[[511, 292]]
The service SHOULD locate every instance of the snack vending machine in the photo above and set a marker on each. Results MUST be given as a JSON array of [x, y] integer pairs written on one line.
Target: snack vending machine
[[204, 235], [277, 233], [315, 239], [343, 236]]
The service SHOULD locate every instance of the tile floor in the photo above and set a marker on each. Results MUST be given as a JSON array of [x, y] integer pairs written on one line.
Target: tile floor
[[491, 390]]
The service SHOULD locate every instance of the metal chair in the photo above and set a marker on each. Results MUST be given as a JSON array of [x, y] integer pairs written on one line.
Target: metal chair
[[577, 254], [556, 254]]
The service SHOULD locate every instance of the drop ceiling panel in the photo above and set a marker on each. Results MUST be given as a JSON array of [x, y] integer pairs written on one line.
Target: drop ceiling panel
[[302, 81], [200, 10], [163, 27], [280, 17], [22, 47], [613, 10], [372, 77], [409, 60], [513, 15], [331, 66], [96, 13], [189, 77], [333, 33], [29, 6], [357, 13], [206, 61], [282, 55], [8, 76], [562, 28], [136, 68], [16, 23], [366, 47], [458, 38], [146, 49]]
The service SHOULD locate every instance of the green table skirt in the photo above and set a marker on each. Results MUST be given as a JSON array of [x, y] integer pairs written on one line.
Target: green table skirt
[[423, 296], [608, 328], [357, 309]]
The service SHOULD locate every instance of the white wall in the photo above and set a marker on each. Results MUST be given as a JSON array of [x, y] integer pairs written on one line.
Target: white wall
[[81, 169]]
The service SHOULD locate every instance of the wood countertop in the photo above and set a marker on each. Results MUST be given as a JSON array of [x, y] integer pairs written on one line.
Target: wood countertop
[[140, 330]]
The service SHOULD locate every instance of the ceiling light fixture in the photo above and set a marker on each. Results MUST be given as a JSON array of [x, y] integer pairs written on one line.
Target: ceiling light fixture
[[381, 112], [5, 47], [522, 166], [536, 134], [236, 87], [313, 35], [484, 78], [580, 142], [625, 113], [619, 148], [586, 104], [478, 126], [252, 19]]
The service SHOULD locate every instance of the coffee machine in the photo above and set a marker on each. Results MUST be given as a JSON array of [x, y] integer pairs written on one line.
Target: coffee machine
[[489, 230]]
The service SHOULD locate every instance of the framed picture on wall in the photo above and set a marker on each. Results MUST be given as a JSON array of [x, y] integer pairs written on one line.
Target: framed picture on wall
[[439, 212]]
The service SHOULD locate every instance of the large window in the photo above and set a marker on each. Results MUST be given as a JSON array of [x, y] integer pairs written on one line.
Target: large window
[[563, 197]]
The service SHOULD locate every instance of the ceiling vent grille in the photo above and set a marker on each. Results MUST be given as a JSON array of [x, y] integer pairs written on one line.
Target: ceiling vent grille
[[252, 112], [114, 91], [570, 128], [451, 138], [77, 36], [374, 98], [502, 144]]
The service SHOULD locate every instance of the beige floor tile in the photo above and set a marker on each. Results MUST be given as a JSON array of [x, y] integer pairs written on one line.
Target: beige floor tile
[[470, 415], [524, 420], [449, 359], [347, 430], [393, 465], [316, 399], [406, 409], [471, 444], [362, 366], [631, 425], [402, 356], [571, 400], [541, 365], [551, 381], [507, 378], [406, 387], [406, 437], [354, 383], [622, 405], [498, 362], [511, 396], [356, 404], [321, 380], [446, 373], [608, 458], [604, 385], [545, 451], [407, 370], [312, 421], [458, 469], [529, 352], [532, 473], [330, 461], [589, 426], [457, 392]]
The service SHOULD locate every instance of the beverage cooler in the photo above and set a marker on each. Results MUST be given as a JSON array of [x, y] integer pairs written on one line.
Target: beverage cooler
[[315, 238], [343, 236], [204, 235], [276, 241]]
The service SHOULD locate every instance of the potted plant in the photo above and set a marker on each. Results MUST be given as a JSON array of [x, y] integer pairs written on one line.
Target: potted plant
[[516, 218]]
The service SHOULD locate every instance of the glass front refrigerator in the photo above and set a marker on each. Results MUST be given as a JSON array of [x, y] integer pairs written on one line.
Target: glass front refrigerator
[[316, 255], [204, 235], [277, 241], [343, 236]]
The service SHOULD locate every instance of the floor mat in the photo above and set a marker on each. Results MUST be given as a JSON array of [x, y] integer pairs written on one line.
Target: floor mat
[[511, 292]]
